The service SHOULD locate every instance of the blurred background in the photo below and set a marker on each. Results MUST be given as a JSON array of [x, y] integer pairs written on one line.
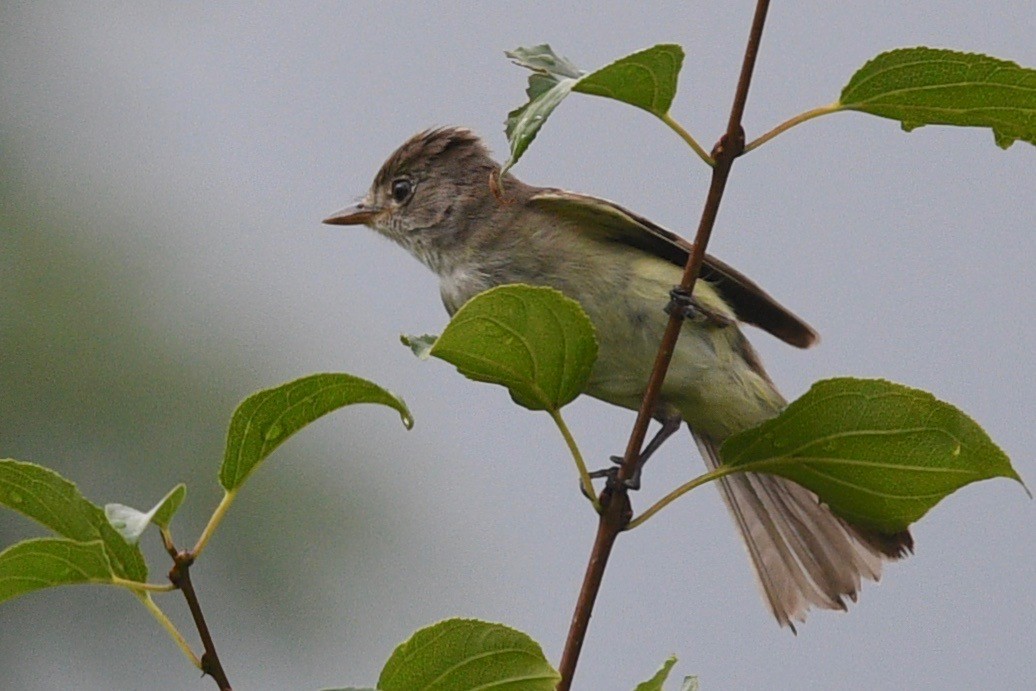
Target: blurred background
[[163, 172]]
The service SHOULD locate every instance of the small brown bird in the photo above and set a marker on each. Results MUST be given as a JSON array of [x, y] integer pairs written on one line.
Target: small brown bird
[[433, 197]]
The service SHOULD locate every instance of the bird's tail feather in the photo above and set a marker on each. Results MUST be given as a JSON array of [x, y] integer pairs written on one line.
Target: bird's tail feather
[[803, 555]]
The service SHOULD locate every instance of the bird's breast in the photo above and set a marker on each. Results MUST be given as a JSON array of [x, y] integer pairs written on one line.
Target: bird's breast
[[459, 284]]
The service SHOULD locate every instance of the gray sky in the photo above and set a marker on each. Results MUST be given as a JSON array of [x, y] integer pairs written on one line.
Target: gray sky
[[165, 169]]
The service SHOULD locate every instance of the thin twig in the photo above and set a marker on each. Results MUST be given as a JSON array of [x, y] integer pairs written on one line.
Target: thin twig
[[614, 517], [615, 498], [180, 576]]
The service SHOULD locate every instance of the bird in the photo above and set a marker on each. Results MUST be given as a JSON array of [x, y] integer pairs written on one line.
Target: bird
[[442, 197]]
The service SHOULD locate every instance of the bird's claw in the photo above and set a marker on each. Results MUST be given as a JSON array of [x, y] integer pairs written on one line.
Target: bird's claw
[[612, 474], [683, 303]]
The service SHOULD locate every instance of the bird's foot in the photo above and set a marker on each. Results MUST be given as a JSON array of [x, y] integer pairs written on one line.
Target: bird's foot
[[670, 423], [612, 473], [683, 303]]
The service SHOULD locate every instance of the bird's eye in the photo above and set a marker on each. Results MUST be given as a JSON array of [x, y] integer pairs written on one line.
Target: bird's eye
[[401, 189]]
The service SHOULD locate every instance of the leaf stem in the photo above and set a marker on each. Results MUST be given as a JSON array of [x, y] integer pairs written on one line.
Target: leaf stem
[[691, 141], [683, 489], [138, 587], [797, 120], [214, 521], [584, 474], [171, 629]]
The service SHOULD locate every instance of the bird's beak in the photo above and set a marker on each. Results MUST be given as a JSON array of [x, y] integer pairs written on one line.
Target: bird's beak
[[357, 214]]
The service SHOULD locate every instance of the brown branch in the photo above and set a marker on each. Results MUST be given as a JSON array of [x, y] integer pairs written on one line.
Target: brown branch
[[615, 516], [616, 512], [180, 577]]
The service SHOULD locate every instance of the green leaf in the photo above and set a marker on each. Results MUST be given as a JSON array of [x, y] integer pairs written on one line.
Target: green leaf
[[646, 79], [531, 339], [165, 510], [266, 419], [44, 496], [927, 86], [879, 454], [130, 523], [420, 345], [656, 682], [468, 654], [51, 561]]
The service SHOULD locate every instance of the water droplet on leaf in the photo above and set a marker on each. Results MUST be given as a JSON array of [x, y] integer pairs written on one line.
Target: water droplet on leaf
[[273, 433], [1002, 140]]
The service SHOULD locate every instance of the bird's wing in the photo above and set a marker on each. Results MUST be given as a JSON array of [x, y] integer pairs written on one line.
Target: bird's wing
[[750, 302]]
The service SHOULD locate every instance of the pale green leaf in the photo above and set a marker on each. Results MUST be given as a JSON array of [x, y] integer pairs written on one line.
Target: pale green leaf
[[51, 561], [266, 419], [462, 654], [127, 521], [878, 454], [44, 496], [927, 86], [531, 339], [130, 523], [646, 79], [421, 346], [657, 682]]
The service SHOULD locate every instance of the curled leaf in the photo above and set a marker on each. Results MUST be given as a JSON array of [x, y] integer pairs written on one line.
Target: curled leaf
[[419, 345], [131, 523], [646, 79]]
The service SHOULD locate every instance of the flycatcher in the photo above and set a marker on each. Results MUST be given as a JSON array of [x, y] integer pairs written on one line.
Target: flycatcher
[[433, 197]]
